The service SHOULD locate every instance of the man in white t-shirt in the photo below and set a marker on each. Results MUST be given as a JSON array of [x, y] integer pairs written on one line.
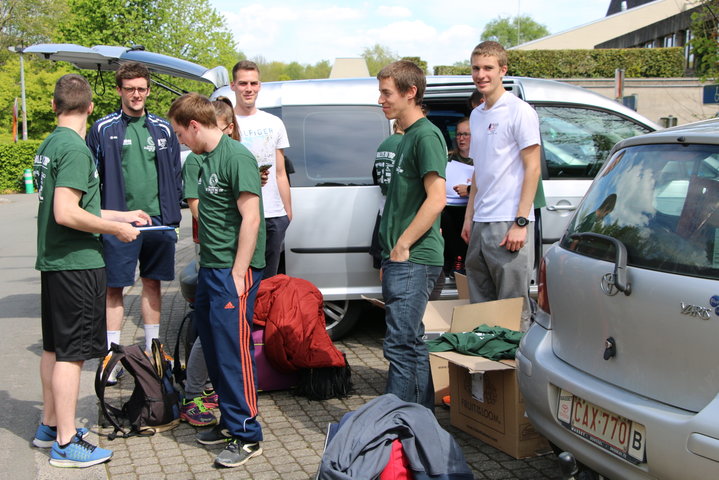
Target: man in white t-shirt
[[498, 223], [265, 136]]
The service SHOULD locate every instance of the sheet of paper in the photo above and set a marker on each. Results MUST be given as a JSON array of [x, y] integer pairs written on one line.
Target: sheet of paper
[[458, 173]]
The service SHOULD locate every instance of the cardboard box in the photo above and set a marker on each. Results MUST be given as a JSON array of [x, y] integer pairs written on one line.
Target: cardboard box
[[486, 401], [437, 320]]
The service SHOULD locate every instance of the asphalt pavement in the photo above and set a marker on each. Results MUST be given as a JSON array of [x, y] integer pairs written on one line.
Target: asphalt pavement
[[294, 427]]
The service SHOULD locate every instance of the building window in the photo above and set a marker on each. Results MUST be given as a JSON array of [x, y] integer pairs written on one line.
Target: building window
[[688, 53]]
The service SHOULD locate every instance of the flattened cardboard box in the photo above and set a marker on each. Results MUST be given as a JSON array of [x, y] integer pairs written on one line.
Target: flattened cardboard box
[[495, 413]]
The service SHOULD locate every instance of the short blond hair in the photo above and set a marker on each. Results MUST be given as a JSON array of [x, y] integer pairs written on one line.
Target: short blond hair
[[491, 49]]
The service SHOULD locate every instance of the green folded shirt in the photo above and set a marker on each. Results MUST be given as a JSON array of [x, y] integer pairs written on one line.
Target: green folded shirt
[[495, 343]]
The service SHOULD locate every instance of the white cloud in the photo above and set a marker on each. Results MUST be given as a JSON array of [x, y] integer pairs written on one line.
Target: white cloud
[[333, 14], [319, 30], [393, 11]]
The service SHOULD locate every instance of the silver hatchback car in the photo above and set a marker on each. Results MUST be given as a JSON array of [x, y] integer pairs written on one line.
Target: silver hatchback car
[[621, 368]]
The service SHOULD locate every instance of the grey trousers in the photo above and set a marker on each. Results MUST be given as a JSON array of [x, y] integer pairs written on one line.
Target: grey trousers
[[197, 377], [495, 273]]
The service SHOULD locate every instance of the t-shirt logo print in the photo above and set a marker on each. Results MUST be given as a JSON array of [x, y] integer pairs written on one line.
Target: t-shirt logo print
[[150, 147], [212, 187], [492, 128]]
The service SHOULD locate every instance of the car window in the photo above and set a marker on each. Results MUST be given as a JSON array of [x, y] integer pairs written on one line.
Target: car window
[[662, 202], [576, 140], [333, 145]]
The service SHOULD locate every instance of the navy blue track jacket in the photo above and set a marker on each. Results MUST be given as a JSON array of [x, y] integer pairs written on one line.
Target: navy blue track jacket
[[105, 141]]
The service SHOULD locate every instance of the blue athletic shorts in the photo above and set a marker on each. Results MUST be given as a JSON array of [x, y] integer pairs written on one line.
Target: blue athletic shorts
[[154, 249]]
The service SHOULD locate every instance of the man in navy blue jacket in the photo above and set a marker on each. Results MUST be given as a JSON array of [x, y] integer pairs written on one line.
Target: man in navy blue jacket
[[138, 159]]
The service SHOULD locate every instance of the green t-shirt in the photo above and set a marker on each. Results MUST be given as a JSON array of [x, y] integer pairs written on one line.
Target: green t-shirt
[[139, 168], [384, 161], [421, 151], [63, 160], [191, 174], [227, 171]]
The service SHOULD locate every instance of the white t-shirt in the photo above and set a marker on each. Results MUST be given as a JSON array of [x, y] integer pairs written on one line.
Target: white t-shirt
[[498, 136], [263, 134]]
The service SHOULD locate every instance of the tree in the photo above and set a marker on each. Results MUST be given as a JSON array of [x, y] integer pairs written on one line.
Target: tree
[[417, 61], [26, 22], [40, 78], [513, 31], [377, 57], [187, 29], [704, 40]]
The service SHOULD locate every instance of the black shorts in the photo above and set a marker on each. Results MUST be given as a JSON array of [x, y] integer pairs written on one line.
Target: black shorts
[[73, 314]]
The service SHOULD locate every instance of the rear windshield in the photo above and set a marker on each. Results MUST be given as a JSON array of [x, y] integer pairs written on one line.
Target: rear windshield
[[662, 202]]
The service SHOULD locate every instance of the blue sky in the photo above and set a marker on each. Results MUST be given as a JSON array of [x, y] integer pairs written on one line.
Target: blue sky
[[441, 32]]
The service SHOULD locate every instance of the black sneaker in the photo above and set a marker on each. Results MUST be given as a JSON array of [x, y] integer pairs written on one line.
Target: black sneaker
[[237, 453], [217, 435]]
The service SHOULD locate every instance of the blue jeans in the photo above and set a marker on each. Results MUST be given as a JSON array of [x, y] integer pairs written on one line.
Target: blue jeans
[[405, 288]]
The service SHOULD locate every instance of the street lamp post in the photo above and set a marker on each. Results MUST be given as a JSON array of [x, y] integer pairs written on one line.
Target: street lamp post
[[22, 89]]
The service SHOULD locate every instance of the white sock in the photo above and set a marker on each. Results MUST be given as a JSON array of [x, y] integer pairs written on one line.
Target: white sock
[[151, 331], [113, 336]]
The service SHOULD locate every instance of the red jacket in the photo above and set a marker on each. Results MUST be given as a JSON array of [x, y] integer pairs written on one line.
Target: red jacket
[[291, 310]]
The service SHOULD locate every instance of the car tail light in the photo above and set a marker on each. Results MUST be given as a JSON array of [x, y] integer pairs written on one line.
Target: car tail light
[[542, 294], [195, 231]]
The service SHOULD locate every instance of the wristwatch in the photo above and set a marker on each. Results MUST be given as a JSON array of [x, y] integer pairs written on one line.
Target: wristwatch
[[521, 221]]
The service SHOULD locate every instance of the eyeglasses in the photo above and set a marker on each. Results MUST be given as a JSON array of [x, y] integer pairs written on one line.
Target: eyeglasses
[[224, 130], [131, 90], [463, 134]]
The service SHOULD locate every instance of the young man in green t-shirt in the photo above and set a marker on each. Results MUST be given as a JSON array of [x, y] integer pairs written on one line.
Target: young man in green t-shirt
[[69, 256], [232, 259], [412, 246]]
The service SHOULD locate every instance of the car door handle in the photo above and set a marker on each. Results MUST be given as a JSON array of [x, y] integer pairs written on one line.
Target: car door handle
[[561, 208]]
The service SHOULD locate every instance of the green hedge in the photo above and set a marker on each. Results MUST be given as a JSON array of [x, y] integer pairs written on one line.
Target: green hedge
[[14, 158], [599, 63]]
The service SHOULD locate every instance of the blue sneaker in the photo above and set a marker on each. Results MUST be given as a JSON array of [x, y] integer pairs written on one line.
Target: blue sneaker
[[78, 454], [45, 436]]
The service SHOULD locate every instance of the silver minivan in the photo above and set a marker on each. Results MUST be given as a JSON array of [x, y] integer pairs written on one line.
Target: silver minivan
[[621, 368], [334, 128]]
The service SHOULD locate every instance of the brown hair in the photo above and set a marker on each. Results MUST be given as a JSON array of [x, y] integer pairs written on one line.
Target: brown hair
[[491, 49], [244, 65], [72, 94], [224, 112], [405, 74], [130, 71], [192, 106]]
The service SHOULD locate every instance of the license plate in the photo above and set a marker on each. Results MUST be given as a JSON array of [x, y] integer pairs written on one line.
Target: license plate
[[614, 433]]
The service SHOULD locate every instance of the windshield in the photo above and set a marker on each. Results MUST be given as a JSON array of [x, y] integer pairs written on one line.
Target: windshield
[[662, 202]]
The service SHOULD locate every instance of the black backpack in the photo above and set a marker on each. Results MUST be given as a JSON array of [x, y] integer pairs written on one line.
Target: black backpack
[[154, 404], [186, 336]]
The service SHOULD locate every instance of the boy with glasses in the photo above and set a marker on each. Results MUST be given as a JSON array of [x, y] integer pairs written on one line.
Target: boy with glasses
[[138, 158]]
